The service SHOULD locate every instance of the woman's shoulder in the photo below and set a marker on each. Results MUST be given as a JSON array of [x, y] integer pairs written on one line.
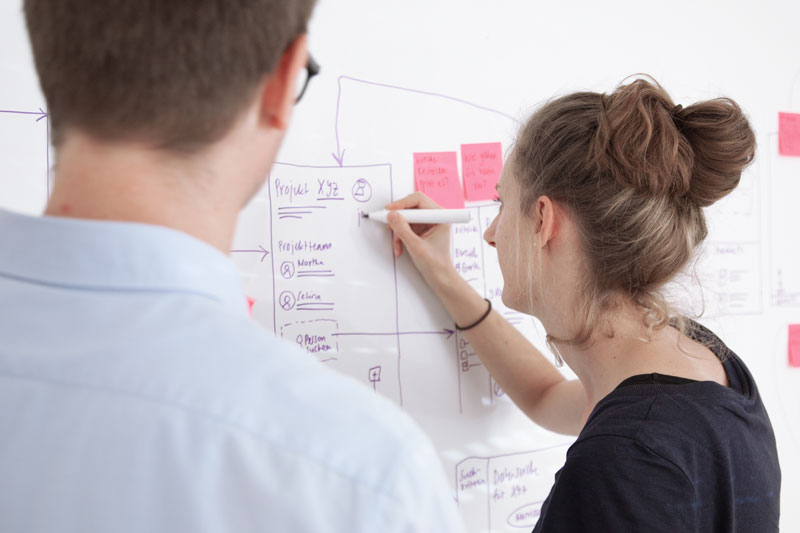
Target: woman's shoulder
[[659, 402], [698, 427]]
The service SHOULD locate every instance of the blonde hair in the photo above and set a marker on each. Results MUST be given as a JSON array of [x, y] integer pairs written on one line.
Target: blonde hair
[[635, 172]]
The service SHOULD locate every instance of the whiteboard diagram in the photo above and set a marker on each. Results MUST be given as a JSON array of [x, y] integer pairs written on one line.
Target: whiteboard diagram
[[333, 279], [506, 492], [784, 187]]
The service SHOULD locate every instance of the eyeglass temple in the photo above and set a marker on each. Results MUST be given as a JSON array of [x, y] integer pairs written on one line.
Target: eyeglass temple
[[312, 69]]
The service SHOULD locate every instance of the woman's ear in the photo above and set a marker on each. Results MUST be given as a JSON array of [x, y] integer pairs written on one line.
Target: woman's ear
[[546, 220]]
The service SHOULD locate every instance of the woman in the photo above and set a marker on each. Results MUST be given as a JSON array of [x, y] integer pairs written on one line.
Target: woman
[[601, 206]]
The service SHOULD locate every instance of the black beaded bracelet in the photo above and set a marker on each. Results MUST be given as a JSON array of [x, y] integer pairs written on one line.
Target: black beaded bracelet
[[481, 319]]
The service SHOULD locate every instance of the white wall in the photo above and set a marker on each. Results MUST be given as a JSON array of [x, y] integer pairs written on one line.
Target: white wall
[[429, 76]]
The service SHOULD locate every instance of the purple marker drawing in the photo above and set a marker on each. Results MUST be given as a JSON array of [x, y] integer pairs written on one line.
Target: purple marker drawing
[[328, 188], [313, 335], [396, 297], [315, 306], [287, 300], [444, 331], [287, 269], [41, 113], [375, 376], [261, 250], [506, 490], [362, 191], [316, 274], [339, 155], [320, 254]]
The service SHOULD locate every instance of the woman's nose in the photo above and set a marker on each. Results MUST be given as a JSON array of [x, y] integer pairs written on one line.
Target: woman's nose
[[488, 235]]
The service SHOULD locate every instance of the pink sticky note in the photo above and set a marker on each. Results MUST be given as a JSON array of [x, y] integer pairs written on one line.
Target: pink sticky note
[[481, 165], [794, 345], [789, 133], [436, 174]]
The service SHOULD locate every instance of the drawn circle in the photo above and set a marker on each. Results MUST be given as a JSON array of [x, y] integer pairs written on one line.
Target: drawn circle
[[526, 516], [287, 300], [362, 190], [287, 269]]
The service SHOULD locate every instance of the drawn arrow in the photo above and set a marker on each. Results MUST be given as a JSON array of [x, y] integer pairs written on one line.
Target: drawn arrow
[[260, 250], [41, 113], [338, 156], [444, 331]]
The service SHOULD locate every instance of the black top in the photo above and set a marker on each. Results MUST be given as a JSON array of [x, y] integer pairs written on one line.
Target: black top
[[663, 453]]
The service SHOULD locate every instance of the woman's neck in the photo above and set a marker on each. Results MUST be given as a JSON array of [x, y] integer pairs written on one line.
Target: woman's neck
[[609, 360]]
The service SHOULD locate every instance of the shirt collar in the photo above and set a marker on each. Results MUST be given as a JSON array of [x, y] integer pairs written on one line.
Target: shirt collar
[[111, 255]]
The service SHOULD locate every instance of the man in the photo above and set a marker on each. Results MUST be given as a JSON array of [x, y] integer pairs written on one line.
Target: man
[[135, 392]]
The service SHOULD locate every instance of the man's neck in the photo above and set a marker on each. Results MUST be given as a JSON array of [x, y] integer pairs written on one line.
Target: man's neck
[[135, 184]]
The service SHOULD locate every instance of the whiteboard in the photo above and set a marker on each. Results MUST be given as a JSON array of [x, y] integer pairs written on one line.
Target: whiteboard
[[402, 78]]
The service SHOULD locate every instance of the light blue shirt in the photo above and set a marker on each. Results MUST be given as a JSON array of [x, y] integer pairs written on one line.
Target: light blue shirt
[[137, 395]]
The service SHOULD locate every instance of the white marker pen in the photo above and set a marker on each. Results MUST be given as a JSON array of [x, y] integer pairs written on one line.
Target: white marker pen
[[424, 216]]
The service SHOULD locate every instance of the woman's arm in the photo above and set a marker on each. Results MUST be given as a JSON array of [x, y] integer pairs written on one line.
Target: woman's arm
[[521, 370]]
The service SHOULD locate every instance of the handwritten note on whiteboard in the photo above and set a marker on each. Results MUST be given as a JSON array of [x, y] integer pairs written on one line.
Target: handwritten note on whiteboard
[[481, 165], [789, 133], [436, 174], [794, 345]]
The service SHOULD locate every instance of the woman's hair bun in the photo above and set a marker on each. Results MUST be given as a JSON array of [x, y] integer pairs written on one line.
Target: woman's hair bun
[[696, 153], [723, 144]]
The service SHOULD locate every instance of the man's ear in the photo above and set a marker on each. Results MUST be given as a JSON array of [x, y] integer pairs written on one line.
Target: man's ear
[[279, 91]]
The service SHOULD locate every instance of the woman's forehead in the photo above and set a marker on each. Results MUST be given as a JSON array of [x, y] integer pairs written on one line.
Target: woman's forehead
[[503, 177], [506, 180]]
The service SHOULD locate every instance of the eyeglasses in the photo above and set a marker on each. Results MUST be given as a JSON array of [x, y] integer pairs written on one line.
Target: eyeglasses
[[311, 70]]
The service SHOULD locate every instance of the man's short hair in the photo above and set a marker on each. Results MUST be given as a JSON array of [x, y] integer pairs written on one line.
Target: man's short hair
[[174, 74]]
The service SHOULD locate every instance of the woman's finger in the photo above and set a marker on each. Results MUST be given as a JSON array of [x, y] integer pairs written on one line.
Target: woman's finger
[[403, 233], [397, 245], [413, 201]]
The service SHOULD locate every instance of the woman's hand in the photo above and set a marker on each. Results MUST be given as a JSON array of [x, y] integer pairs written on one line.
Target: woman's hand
[[518, 367], [427, 244]]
